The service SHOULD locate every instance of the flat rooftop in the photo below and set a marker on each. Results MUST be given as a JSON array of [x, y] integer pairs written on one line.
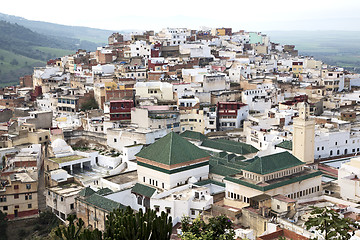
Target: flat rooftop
[[67, 189], [123, 177], [66, 159]]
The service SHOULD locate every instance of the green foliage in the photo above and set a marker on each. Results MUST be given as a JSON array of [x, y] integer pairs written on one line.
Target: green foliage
[[219, 227], [14, 62], [71, 232], [330, 224], [126, 224], [90, 104], [3, 226], [338, 48], [90, 235]]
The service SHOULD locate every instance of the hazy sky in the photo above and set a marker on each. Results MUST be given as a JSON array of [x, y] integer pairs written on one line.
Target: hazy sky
[[256, 15]]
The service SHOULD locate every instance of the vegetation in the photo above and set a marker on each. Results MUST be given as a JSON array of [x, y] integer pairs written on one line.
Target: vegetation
[[120, 224], [219, 227], [3, 226], [126, 224], [22, 49], [89, 105], [329, 223], [76, 232], [337, 48], [51, 29]]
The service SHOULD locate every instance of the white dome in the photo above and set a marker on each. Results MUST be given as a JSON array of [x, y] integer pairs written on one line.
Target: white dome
[[61, 148], [58, 143]]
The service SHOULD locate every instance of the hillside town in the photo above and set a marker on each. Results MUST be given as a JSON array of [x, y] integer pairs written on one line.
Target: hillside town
[[195, 123]]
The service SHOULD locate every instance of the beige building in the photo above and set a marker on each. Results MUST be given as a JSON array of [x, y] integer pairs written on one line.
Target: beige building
[[304, 135], [280, 173], [61, 199], [192, 119], [162, 91], [18, 196], [156, 117], [93, 207]]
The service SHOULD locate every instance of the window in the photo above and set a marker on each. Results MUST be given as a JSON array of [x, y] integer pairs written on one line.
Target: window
[[16, 186], [139, 200], [29, 205], [28, 186], [115, 140], [192, 212], [16, 196], [278, 206], [163, 185], [5, 208], [143, 179], [168, 210], [71, 206]]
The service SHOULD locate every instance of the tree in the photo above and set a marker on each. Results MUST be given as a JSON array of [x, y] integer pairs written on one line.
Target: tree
[[126, 224], [89, 104], [330, 224], [3, 225], [70, 232], [14, 62], [219, 227]]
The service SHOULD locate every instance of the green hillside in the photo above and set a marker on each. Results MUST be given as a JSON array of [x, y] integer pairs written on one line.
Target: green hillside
[[13, 66], [86, 34], [22, 49], [338, 48]]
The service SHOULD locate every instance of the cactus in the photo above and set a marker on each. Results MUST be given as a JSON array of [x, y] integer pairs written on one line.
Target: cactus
[[128, 225]]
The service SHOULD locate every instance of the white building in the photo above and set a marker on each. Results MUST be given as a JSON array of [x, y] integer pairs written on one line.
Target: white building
[[167, 171], [349, 182], [173, 36], [140, 49]]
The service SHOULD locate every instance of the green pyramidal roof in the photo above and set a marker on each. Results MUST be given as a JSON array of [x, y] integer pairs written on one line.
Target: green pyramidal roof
[[272, 163], [172, 149], [193, 135], [85, 192]]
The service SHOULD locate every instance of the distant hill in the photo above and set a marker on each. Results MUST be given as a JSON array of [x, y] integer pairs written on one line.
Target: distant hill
[[338, 48], [22, 49], [98, 36]]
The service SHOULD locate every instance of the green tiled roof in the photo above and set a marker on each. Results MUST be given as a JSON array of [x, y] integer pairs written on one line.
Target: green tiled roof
[[272, 163], [143, 190], [274, 185], [222, 170], [103, 202], [85, 192], [230, 146], [172, 149], [193, 135], [104, 191], [285, 144]]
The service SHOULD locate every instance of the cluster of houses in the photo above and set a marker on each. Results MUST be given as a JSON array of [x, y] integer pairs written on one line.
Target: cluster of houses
[[190, 122]]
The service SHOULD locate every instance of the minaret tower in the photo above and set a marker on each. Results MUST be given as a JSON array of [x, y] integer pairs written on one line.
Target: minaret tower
[[304, 135]]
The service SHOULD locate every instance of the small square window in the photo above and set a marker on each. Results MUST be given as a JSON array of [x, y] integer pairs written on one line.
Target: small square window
[[29, 205], [5, 208], [16, 196]]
